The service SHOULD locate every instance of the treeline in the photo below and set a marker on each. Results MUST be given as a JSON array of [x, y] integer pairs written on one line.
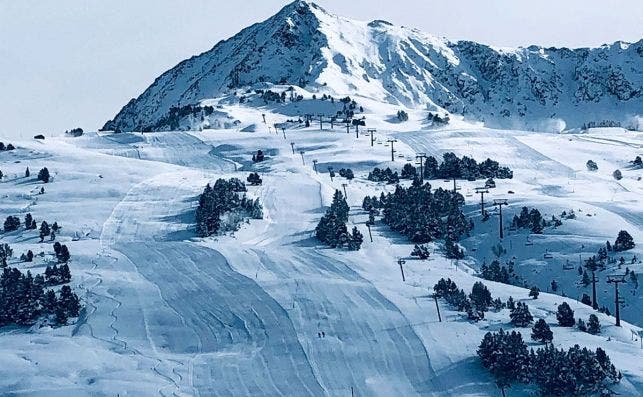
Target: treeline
[[386, 175], [464, 168], [421, 214], [173, 117], [221, 207], [12, 223], [556, 372], [332, 229], [23, 300]]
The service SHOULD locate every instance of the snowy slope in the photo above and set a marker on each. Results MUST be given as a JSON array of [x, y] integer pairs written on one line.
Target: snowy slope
[[168, 314], [527, 88]]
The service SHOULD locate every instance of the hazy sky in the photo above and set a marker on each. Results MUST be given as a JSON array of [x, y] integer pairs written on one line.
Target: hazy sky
[[68, 63]]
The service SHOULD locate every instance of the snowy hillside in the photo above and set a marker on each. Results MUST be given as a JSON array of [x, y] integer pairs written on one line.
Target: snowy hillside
[[303, 45], [167, 313]]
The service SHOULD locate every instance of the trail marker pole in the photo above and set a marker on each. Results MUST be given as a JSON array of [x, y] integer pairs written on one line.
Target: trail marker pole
[[292, 145], [500, 203], [302, 157], [348, 126], [401, 262], [283, 130], [315, 165], [392, 141], [616, 279], [368, 225]]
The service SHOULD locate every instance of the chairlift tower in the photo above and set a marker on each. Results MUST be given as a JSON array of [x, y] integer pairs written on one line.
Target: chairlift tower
[[303, 162], [344, 186], [315, 165], [420, 157], [616, 279], [499, 203], [292, 145], [482, 191], [392, 141], [371, 132]]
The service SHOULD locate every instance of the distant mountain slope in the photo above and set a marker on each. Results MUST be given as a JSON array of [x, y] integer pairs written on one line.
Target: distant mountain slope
[[302, 44]]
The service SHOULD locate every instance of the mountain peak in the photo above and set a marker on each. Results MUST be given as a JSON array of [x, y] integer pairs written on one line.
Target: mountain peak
[[306, 46]]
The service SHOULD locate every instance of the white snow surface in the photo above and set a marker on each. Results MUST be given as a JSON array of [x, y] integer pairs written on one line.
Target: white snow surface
[[169, 314]]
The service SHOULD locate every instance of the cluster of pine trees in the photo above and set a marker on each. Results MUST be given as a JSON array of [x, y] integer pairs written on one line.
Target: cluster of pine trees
[[474, 304], [4, 147], [254, 179], [499, 273], [332, 230], [557, 372], [23, 300], [12, 223], [221, 208], [529, 219], [386, 175], [55, 275], [172, 118], [424, 215], [43, 175], [346, 173], [464, 168]]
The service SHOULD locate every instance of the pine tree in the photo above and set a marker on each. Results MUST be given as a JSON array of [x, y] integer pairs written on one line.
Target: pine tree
[[593, 325], [356, 240], [44, 230], [69, 301], [61, 315], [505, 356], [63, 255], [27, 173], [581, 325], [565, 315], [520, 316], [541, 332], [511, 304], [624, 241], [534, 292], [586, 300], [28, 221], [480, 296], [421, 251], [43, 175]]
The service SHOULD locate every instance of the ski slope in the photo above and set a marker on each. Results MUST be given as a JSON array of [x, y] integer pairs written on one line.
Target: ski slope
[[242, 315]]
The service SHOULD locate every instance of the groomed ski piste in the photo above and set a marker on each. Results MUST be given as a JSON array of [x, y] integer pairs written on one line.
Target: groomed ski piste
[[169, 314]]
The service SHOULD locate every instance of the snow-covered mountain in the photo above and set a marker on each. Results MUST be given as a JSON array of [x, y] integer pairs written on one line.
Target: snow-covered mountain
[[532, 87]]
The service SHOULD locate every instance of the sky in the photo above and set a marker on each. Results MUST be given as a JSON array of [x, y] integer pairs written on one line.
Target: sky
[[75, 63]]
